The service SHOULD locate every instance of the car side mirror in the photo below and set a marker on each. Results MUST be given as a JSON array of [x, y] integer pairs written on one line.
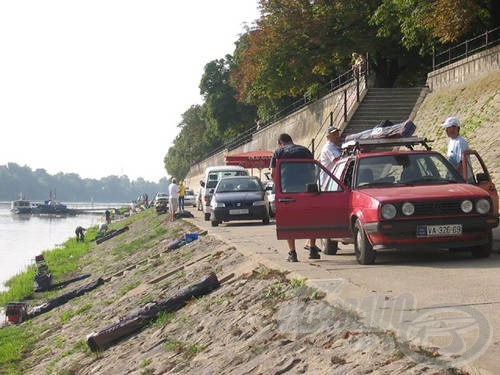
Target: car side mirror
[[312, 188], [211, 191], [482, 177], [202, 183]]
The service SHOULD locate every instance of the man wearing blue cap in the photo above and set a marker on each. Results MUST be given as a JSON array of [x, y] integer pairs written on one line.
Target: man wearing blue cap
[[456, 144]]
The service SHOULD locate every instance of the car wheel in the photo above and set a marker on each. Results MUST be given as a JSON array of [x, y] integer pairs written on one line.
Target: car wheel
[[362, 247], [207, 216], [329, 246], [215, 223], [483, 251]]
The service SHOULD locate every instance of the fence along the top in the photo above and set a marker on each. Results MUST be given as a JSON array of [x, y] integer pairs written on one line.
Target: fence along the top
[[336, 83], [465, 49]]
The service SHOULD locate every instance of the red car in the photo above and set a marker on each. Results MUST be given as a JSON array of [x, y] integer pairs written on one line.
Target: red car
[[381, 198]]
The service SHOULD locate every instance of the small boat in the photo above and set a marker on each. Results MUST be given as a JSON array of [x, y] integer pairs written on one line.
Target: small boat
[[52, 207], [21, 206]]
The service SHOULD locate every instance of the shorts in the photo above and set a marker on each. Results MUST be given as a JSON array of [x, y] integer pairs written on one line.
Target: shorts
[[173, 204]]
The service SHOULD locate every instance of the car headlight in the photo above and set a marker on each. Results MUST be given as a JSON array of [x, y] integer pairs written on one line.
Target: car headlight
[[259, 203], [483, 206], [466, 206], [216, 204], [388, 211], [408, 209]]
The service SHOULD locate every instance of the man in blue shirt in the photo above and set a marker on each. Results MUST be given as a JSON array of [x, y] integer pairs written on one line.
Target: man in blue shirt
[[456, 144]]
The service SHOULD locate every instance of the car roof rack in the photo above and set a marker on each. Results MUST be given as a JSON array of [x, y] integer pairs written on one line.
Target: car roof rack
[[378, 144]]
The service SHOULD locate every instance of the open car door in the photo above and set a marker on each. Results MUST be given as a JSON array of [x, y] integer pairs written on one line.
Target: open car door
[[310, 202], [475, 172]]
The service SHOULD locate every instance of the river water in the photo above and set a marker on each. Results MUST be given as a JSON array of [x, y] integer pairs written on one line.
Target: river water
[[22, 237]]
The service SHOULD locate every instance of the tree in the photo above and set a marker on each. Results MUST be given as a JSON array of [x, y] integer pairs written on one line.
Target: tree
[[426, 24], [225, 116]]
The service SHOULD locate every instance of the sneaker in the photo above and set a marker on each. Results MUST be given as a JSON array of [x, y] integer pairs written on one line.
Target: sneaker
[[316, 248], [313, 253], [292, 256]]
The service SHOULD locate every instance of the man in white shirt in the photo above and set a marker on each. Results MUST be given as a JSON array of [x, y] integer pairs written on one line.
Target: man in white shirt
[[456, 144], [173, 198], [331, 150]]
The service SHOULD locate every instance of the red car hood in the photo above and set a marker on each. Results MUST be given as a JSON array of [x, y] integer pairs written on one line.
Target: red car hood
[[424, 192]]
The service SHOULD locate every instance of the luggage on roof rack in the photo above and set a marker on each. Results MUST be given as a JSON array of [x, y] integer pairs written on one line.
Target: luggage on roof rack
[[384, 143]]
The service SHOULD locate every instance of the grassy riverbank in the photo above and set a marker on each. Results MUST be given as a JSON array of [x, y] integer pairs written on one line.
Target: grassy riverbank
[[258, 321]]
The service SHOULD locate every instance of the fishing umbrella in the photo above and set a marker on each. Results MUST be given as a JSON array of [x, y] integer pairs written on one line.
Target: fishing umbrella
[[253, 159]]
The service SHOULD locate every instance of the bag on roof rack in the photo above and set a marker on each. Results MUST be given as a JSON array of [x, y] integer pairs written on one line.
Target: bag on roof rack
[[401, 130]]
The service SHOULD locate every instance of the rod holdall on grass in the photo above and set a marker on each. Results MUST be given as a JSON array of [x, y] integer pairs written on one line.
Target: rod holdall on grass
[[62, 299], [99, 341], [111, 234]]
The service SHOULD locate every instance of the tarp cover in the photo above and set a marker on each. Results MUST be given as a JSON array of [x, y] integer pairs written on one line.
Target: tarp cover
[[253, 159]]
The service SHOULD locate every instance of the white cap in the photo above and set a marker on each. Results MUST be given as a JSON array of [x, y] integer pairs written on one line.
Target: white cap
[[451, 121]]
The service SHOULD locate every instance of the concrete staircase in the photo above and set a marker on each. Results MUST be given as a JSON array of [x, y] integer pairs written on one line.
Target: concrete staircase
[[379, 104]]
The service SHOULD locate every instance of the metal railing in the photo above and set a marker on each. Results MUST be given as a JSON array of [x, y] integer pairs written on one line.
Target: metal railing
[[465, 49], [343, 79]]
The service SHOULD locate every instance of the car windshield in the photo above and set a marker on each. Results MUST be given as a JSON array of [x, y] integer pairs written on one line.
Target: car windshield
[[238, 184], [189, 192], [405, 169], [214, 177]]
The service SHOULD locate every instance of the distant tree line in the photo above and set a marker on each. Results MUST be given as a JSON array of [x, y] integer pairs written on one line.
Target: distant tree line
[[297, 46], [69, 187]]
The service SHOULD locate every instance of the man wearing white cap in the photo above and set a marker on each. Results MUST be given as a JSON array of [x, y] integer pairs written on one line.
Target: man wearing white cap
[[456, 144], [331, 151]]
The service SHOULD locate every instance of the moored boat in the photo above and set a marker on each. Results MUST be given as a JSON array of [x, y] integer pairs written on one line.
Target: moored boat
[[51, 207], [21, 206]]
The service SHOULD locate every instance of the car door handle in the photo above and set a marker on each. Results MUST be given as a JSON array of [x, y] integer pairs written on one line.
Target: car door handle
[[286, 200]]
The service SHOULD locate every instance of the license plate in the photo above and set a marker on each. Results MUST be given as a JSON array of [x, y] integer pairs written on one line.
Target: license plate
[[439, 230], [239, 212]]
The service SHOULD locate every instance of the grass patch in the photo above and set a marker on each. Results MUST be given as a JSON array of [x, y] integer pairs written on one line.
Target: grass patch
[[67, 315], [14, 342]]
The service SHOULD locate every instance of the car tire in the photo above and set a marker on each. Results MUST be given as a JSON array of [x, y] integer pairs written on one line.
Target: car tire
[[215, 223], [329, 246], [483, 251], [362, 247], [207, 216]]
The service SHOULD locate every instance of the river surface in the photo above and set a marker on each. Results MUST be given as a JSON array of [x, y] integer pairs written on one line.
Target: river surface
[[22, 237]]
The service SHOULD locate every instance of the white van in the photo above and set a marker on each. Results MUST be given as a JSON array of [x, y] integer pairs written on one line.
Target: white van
[[212, 176]]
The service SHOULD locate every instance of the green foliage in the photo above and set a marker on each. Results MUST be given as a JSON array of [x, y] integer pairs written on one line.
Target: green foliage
[[297, 46]]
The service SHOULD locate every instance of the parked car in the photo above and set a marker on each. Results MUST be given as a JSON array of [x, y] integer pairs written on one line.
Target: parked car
[[189, 198], [212, 176], [270, 198], [380, 198], [239, 198], [161, 202]]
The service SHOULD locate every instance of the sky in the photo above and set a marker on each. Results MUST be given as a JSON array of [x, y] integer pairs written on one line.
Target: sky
[[97, 88]]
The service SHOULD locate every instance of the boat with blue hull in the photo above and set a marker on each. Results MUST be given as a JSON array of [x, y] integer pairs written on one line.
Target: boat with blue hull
[[52, 207]]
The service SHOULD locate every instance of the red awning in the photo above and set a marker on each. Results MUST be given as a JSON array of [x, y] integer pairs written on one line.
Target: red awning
[[253, 159]]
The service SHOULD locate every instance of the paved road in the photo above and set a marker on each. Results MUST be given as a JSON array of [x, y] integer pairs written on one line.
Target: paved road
[[432, 298]]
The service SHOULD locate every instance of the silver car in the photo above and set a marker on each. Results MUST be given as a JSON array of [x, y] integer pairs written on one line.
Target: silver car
[[189, 198]]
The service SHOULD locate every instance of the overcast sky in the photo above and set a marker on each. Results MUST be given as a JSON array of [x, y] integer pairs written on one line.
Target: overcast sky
[[97, 88]]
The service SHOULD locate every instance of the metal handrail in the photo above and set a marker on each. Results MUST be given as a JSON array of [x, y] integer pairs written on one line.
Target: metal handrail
[[245, 137], [465, 49]]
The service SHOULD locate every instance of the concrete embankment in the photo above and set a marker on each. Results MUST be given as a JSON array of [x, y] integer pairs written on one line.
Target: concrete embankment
[[258, 321]]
